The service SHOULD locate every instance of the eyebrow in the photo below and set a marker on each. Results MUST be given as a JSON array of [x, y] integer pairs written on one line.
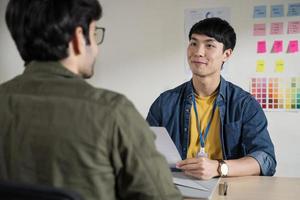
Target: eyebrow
[[208, 40]]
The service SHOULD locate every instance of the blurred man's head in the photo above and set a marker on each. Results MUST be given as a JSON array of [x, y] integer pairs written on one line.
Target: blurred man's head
[[44, 29]]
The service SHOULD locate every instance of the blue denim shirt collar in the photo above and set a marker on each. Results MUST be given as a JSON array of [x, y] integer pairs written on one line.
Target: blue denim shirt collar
[[221, 96]]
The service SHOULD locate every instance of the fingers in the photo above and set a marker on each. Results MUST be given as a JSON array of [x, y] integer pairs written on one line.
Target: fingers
[[196, 174], [201, 168], [189, 161], [194, 166]]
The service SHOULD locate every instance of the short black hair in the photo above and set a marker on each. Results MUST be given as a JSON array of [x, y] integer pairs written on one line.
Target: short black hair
[[42, 29], [216, 28]]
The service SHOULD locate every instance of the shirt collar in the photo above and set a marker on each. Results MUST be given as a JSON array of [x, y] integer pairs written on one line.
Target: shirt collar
[[220, 97], [222, 90], [50, 67]]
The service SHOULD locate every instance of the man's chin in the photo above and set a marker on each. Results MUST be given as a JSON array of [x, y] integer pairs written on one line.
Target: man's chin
[[87, 76], [89, 73]]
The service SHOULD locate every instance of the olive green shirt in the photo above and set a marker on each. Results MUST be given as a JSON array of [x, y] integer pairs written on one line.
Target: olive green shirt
[[56, 129]]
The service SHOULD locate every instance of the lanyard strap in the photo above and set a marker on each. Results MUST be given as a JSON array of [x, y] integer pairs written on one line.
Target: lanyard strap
[[201, 135]]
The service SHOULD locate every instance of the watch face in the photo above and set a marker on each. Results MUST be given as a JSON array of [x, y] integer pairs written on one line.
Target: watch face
[[224, 169]]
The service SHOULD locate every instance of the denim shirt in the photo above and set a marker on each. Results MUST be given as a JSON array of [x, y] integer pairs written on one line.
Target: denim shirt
[[243, 129]]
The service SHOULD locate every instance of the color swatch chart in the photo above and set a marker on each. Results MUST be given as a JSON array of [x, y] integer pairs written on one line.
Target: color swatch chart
[[277, 93]]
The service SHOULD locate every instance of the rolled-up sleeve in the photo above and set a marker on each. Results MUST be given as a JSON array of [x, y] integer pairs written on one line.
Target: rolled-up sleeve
[[256, 138]]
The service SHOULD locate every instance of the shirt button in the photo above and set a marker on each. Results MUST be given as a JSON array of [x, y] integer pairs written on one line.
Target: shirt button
[[185, 129], [187, 110]]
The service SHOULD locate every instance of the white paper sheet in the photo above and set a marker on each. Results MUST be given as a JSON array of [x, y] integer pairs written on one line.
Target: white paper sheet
[[165, 146]]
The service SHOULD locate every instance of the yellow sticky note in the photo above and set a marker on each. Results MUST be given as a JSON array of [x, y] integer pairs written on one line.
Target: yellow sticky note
[[279, 66], [260, 66]]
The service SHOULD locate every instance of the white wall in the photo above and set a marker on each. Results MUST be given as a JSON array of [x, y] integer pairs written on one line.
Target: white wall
[[144, 51], [10, 61]]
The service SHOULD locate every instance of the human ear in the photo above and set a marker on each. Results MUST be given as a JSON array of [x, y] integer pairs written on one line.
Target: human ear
[[78, 41], [226, 55]]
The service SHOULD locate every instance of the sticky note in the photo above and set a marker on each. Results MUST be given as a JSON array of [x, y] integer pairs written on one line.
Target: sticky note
[[260, 66], [277, 11], [259, 29], [276, 28], [279, 66], [277, 46], [261, 47], [294, 9], [260, 11], [293, 46], [294, 27]]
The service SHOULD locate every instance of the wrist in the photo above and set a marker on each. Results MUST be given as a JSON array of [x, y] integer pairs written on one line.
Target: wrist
[[223, 168], [216, 171]]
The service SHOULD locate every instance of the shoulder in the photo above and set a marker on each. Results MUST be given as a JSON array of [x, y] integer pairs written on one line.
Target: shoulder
[[5, 86], [237, 97], [235, 92], [175, 92], [107, 98]]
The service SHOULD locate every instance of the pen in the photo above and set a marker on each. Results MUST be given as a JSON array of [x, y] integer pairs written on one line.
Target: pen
[[223, 188]]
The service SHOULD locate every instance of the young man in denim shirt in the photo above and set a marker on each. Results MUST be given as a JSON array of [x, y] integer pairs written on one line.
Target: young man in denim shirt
[[218, 128]]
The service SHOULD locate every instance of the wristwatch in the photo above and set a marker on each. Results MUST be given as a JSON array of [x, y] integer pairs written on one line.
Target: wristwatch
[[223, 168]]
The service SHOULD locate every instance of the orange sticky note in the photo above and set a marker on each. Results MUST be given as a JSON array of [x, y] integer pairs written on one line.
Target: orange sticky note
[[261, 47], [277, 46], [293, 46]]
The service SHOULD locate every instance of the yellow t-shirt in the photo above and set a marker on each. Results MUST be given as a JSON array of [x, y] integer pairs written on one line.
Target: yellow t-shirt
[[213, 142]]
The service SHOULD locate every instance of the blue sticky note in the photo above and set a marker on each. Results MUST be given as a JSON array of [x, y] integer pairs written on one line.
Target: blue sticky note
[[277, 11], [260, 12], [294, 9]]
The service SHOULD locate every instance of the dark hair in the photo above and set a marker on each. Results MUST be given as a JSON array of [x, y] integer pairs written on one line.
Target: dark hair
[[42, 29], [216, 28]]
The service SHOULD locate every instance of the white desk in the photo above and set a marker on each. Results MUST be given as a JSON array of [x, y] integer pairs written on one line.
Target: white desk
[[260, 188]]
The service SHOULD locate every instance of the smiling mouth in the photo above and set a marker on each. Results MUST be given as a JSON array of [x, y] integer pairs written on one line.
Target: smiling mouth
[[199, 62]]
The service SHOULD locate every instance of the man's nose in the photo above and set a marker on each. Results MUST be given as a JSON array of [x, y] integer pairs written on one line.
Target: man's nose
[[200, 50]]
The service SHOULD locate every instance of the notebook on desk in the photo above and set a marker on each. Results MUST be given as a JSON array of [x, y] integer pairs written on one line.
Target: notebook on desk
[[188, 186], [194, 188]]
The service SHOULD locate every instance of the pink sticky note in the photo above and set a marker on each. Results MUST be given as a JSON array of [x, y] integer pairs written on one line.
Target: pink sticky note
[[277, 46], [259, 29], [261, 47], [276, 28], [293, 46], [294, 27]]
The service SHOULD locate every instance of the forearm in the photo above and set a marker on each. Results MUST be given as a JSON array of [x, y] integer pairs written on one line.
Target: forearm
[[246, 166]]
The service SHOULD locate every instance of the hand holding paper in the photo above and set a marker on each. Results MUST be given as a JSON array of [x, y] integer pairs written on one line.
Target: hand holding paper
[[188, 186]]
